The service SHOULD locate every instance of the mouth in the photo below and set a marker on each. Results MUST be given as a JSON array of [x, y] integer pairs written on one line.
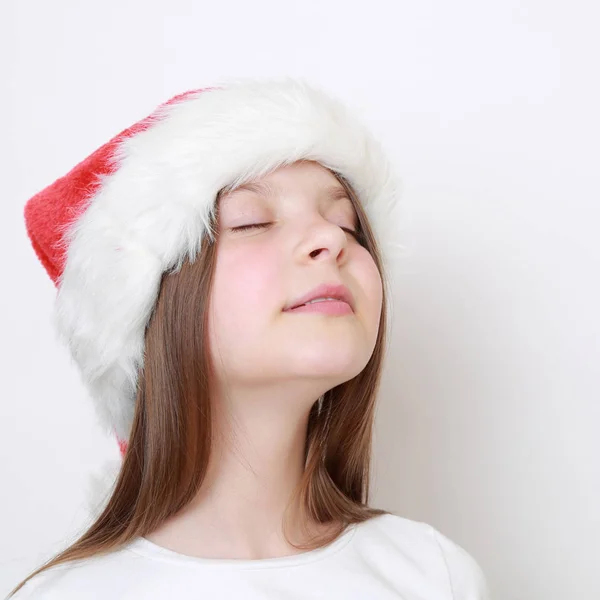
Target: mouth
[[323, 307], [327, 293]]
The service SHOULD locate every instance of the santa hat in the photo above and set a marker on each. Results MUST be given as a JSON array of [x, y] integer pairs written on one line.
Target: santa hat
[[141, 203]]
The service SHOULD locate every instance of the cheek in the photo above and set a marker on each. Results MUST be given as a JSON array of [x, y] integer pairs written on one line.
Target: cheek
[[246, 286], [369, 282]]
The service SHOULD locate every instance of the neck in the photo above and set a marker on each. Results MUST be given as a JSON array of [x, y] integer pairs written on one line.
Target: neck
[[256, 462]]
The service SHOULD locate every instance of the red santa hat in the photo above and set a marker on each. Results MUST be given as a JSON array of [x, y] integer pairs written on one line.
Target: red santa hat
[[141, 203]]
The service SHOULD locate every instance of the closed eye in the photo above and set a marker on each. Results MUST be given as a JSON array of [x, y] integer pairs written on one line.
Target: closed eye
[[355, 234], [244, 227]]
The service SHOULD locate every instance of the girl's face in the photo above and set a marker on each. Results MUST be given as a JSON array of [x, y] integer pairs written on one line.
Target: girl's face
[[260, 270]]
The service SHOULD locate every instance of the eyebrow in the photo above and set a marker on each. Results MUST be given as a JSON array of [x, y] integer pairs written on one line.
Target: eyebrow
[[263, 188]]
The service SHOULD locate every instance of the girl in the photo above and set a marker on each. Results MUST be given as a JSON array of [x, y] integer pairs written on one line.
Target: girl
[[221, 274]]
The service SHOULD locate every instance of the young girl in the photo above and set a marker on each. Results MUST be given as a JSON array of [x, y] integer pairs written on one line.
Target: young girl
[[221, 272]]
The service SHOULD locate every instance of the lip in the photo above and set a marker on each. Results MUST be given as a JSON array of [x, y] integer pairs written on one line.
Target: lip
[[329, 307], [325, 290]]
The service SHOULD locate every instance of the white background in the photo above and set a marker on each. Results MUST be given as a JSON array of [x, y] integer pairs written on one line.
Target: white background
[[489, 413]]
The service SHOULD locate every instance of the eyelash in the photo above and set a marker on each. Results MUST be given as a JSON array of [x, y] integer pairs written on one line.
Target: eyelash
[[354, 234]]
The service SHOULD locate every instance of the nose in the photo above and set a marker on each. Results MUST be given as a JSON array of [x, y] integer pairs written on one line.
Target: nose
[[326, 241]]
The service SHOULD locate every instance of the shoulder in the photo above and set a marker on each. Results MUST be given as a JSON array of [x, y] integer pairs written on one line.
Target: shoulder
[[42, 586], [96, 577], [433, 556], [466, 577]]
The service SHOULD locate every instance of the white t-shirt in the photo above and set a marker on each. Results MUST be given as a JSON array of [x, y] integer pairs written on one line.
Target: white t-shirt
[[383, 558]]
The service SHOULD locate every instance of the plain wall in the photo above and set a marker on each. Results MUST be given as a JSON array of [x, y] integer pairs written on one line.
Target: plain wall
[[489, 408]]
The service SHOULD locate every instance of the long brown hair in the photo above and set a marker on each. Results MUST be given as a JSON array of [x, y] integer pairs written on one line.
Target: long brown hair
[[170, 439]]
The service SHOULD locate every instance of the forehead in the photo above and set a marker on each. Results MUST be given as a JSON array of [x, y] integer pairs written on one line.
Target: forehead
[[332, 192]]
